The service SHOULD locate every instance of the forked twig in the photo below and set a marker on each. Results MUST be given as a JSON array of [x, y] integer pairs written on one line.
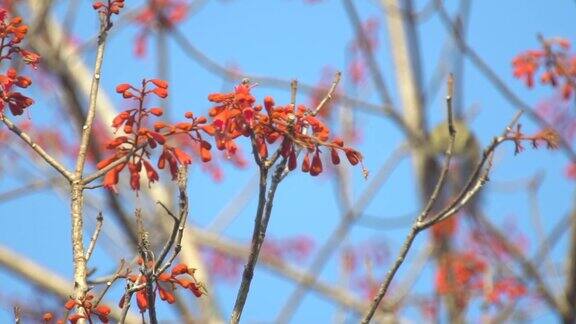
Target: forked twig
[[415, 227]]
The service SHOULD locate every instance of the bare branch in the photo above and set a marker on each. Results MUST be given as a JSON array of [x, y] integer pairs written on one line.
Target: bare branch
[[87, 128], [257, 239], [92, 244], [121, 272], [77, 195], [179, 225], [329, 94]]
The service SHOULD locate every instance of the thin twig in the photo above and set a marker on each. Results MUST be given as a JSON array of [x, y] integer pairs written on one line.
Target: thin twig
[[452, 134], [99, 221], [177, 233], [415, 227], [476, 180], [390, 274], [168, 211], [403, 289], [118, 274], [87, 128], [129, 291], [17, 314], [329, 95]]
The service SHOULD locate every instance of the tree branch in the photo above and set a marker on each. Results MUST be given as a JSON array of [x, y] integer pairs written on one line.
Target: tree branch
[[37, 148]]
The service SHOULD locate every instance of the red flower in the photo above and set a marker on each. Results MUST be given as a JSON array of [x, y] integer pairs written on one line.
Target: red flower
[[47, 317], [160, 83], [30, 58], [235, 114], [16, 101], [142, 300], [173, 12], [139, 137], [113, 7]]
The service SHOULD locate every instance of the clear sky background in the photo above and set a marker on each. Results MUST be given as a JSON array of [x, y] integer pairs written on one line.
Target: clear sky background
[[290, 39]]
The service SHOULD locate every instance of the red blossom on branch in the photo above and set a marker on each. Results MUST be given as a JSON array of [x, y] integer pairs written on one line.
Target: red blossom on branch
[[170, 12], [460, 274], [139, 138], [12, 32], [15, 100], [292, 128], [509, 288], [102, 312], [108, 8], [165, 286], [557, 63]]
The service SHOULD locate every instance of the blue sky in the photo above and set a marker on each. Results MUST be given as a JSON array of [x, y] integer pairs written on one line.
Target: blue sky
[[292, 39]]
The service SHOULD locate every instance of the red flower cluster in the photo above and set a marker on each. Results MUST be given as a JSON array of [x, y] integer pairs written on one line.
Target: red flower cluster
[[12, 32], [460, 274], [109, 8], [174, 11], [236, 114], [526, 64], [373, 251], [223, 266], [100, 311], [171, 11], [357, 67], [297, 248], [139, 139], [15, 100], [166, 283], [464, 274], [559, 65], [460, 271], [445, 228], [507, 287], [571, 171]]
